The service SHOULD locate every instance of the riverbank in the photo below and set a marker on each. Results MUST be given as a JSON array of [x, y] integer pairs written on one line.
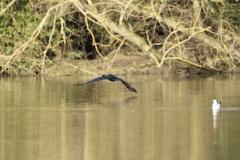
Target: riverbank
[[116, 64], [122, 64]]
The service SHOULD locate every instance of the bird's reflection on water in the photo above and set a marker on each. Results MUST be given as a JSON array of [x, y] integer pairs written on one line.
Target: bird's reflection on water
[[216, 123], [130, 99]]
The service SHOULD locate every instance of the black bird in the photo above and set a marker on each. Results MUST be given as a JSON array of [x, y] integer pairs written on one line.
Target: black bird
[[112, 78]]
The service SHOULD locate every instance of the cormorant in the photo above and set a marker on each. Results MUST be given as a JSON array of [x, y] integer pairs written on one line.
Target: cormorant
[[112, 78]]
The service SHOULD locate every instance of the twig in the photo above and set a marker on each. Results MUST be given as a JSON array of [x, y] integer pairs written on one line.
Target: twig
[[35, 34], [8, 6], [49, 43], [166, 52]]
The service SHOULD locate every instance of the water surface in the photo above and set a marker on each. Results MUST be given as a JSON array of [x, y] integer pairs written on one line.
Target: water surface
[[169, 118]]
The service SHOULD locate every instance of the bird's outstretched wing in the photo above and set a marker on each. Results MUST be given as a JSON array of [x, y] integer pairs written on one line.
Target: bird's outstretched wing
[[103, 77], [128, 86], [112, 78]]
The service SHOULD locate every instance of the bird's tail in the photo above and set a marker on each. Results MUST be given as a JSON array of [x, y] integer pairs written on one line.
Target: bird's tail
[[129, 87]]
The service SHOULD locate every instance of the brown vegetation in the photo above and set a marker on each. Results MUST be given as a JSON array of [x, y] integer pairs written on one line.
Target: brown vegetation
[[182, 35]]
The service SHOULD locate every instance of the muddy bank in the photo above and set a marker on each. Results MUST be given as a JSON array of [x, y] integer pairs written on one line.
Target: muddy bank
[[120, 64]]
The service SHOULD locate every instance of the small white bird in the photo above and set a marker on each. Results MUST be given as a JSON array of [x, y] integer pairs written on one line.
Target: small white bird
[[216, 105]]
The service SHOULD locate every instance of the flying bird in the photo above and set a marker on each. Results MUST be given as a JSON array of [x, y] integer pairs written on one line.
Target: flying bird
[[216, 105], [112, 78]]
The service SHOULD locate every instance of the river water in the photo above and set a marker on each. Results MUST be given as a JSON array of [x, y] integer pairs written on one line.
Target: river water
[[50, 118]]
